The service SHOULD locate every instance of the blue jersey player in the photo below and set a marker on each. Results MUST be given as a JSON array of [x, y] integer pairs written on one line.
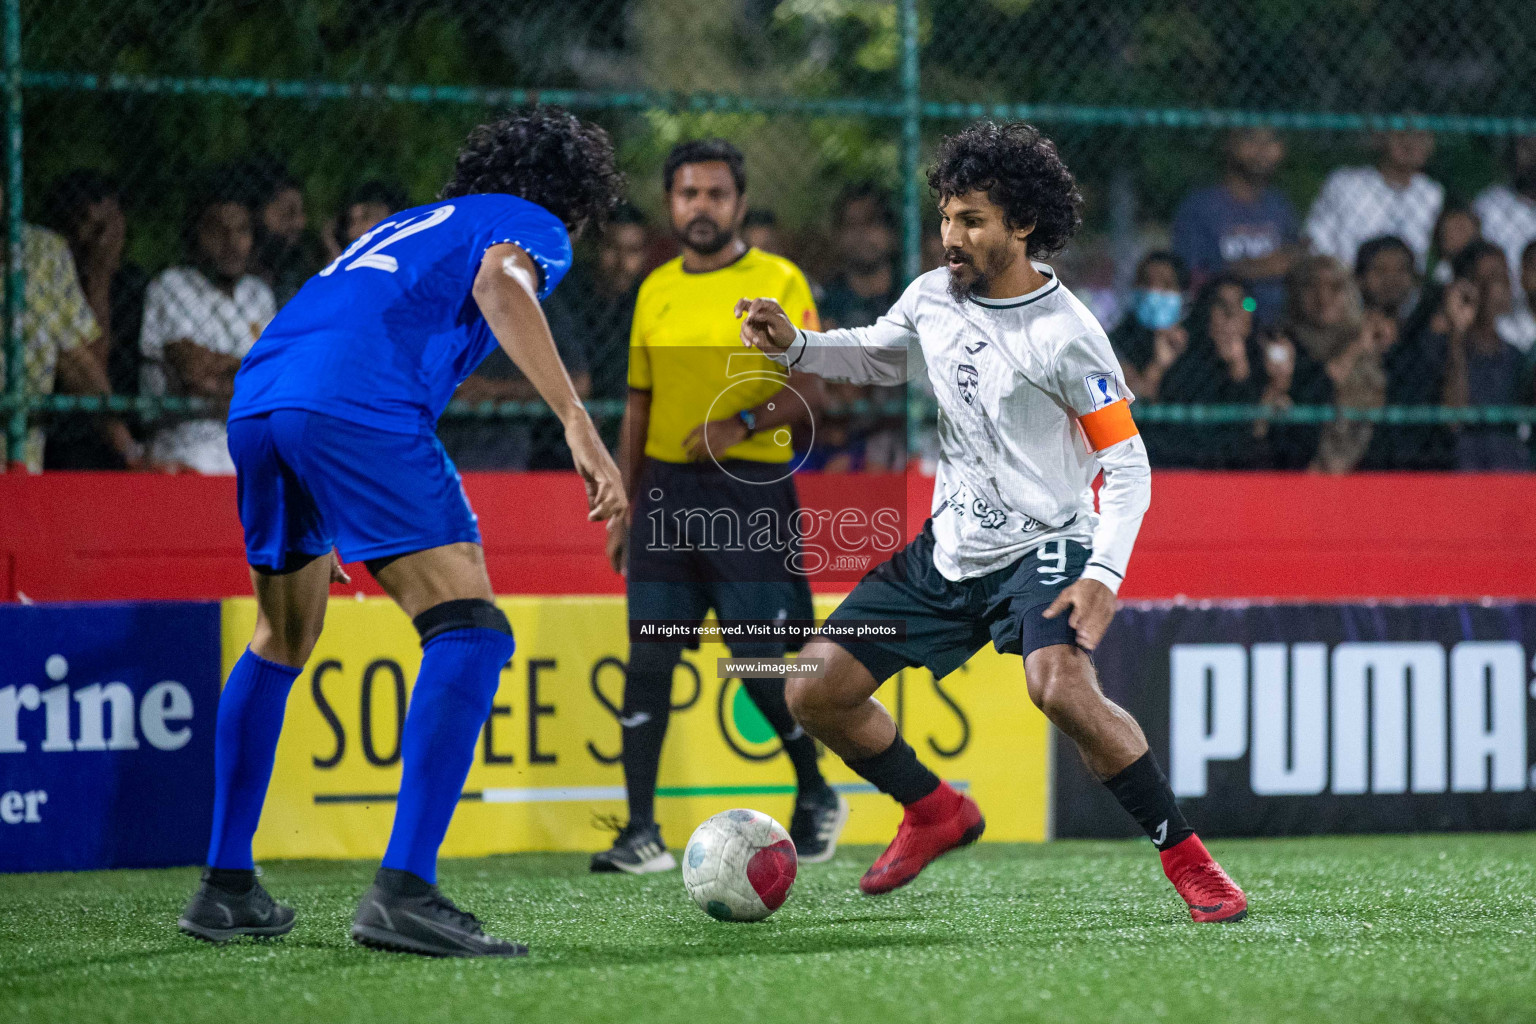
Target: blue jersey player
[[331, 430]]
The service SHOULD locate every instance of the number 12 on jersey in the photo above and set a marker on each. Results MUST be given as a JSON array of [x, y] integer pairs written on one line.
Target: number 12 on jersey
[[376, 258]]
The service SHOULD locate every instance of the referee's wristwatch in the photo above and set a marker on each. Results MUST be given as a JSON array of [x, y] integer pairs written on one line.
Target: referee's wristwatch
[[748, 419]]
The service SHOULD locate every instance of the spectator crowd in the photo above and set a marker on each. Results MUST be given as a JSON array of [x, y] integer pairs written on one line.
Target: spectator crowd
[[1387, 291], [1385, 294]]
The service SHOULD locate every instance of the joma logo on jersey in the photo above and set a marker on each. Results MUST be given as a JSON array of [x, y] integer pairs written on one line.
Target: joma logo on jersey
[[966, 379], [1362, 718]]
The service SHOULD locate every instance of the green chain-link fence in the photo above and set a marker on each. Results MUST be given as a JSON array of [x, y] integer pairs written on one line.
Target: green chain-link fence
[[1169, 111]]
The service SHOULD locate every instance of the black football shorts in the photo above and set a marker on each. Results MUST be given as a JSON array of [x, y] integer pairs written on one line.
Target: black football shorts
[[681, 573], [947, 621]]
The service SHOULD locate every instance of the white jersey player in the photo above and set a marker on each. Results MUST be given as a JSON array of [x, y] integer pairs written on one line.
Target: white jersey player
[[1032, 405]]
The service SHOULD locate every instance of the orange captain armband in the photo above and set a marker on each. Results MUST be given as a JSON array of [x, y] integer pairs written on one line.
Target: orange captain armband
[[1108, 426]]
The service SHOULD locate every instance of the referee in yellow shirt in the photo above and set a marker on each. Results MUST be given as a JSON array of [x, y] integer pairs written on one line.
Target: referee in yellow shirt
[[707, 464]]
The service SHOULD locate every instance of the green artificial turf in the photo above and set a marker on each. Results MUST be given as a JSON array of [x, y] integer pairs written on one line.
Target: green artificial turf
[[1413, 928]]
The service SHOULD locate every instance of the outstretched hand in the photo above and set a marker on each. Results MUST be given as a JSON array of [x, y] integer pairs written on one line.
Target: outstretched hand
[[1093, 606], [605, 487], [766, 326]]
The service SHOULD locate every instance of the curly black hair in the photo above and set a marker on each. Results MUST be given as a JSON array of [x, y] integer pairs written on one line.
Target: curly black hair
[[1019, 170], [544, 155]]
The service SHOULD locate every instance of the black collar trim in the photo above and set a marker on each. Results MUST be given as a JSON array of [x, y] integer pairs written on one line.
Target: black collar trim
[[1025, 300]]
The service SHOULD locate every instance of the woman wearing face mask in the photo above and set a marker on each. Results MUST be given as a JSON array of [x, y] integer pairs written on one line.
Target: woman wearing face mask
[[1225, 365], [1150, 338]]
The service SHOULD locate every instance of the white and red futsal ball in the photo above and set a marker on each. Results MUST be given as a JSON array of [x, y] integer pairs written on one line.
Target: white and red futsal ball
[[739, 865]]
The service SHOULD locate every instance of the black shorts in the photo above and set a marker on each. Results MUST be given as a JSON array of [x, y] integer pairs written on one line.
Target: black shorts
[[718, 558], [947, 621]]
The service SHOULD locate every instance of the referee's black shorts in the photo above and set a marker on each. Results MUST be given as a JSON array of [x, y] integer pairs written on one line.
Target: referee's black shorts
[[717, 536]]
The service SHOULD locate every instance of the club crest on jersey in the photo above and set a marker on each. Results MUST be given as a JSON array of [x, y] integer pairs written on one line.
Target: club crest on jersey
[[966, 379], [989, 517], [1102, 389]]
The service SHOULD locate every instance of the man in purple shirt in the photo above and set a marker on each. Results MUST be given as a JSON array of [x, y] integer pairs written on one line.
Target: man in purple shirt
[[1243, 226]]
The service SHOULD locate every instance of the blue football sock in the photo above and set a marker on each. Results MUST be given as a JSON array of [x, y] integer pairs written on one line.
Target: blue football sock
[[245, 744], [460, 670]]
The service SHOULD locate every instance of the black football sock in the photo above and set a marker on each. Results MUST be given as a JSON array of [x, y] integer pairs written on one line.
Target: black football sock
[[897, 772], [799, 747], [235, 881], [647, 706], [801, 751], [1143, 791]]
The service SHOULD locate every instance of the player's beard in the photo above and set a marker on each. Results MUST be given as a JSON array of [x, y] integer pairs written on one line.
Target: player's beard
[[704, 236], [994, 261]]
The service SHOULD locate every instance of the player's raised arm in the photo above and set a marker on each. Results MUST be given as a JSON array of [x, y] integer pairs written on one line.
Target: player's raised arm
[[876, 354], [506, 290]]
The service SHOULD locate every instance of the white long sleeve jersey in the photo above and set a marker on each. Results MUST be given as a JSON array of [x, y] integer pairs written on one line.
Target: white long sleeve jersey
[[1014, 379]]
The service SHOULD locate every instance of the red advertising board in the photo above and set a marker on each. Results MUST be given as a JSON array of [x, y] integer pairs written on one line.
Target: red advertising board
[[97, 536]]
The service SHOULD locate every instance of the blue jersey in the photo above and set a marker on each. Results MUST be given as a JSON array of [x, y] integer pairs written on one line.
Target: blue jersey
[[384, 335]]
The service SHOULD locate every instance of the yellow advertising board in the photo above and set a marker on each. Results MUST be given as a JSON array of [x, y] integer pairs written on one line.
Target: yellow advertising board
[[546, 774]]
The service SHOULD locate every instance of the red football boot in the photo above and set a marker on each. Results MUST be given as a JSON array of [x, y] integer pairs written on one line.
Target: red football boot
[[1212, 896], [943, 820]]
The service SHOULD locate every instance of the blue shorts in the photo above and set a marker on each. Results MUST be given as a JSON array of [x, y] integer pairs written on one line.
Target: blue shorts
[[309, 482]]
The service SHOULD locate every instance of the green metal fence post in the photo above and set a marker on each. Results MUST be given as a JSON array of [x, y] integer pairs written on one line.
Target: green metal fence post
[[911, 173], [15, 276], [911, 144]]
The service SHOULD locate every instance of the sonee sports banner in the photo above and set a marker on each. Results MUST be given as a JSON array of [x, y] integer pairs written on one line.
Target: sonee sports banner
[[1307, 719], [546, 774]]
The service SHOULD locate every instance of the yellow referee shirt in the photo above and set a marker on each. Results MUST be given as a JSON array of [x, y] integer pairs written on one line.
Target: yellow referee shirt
[[685, 349]]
